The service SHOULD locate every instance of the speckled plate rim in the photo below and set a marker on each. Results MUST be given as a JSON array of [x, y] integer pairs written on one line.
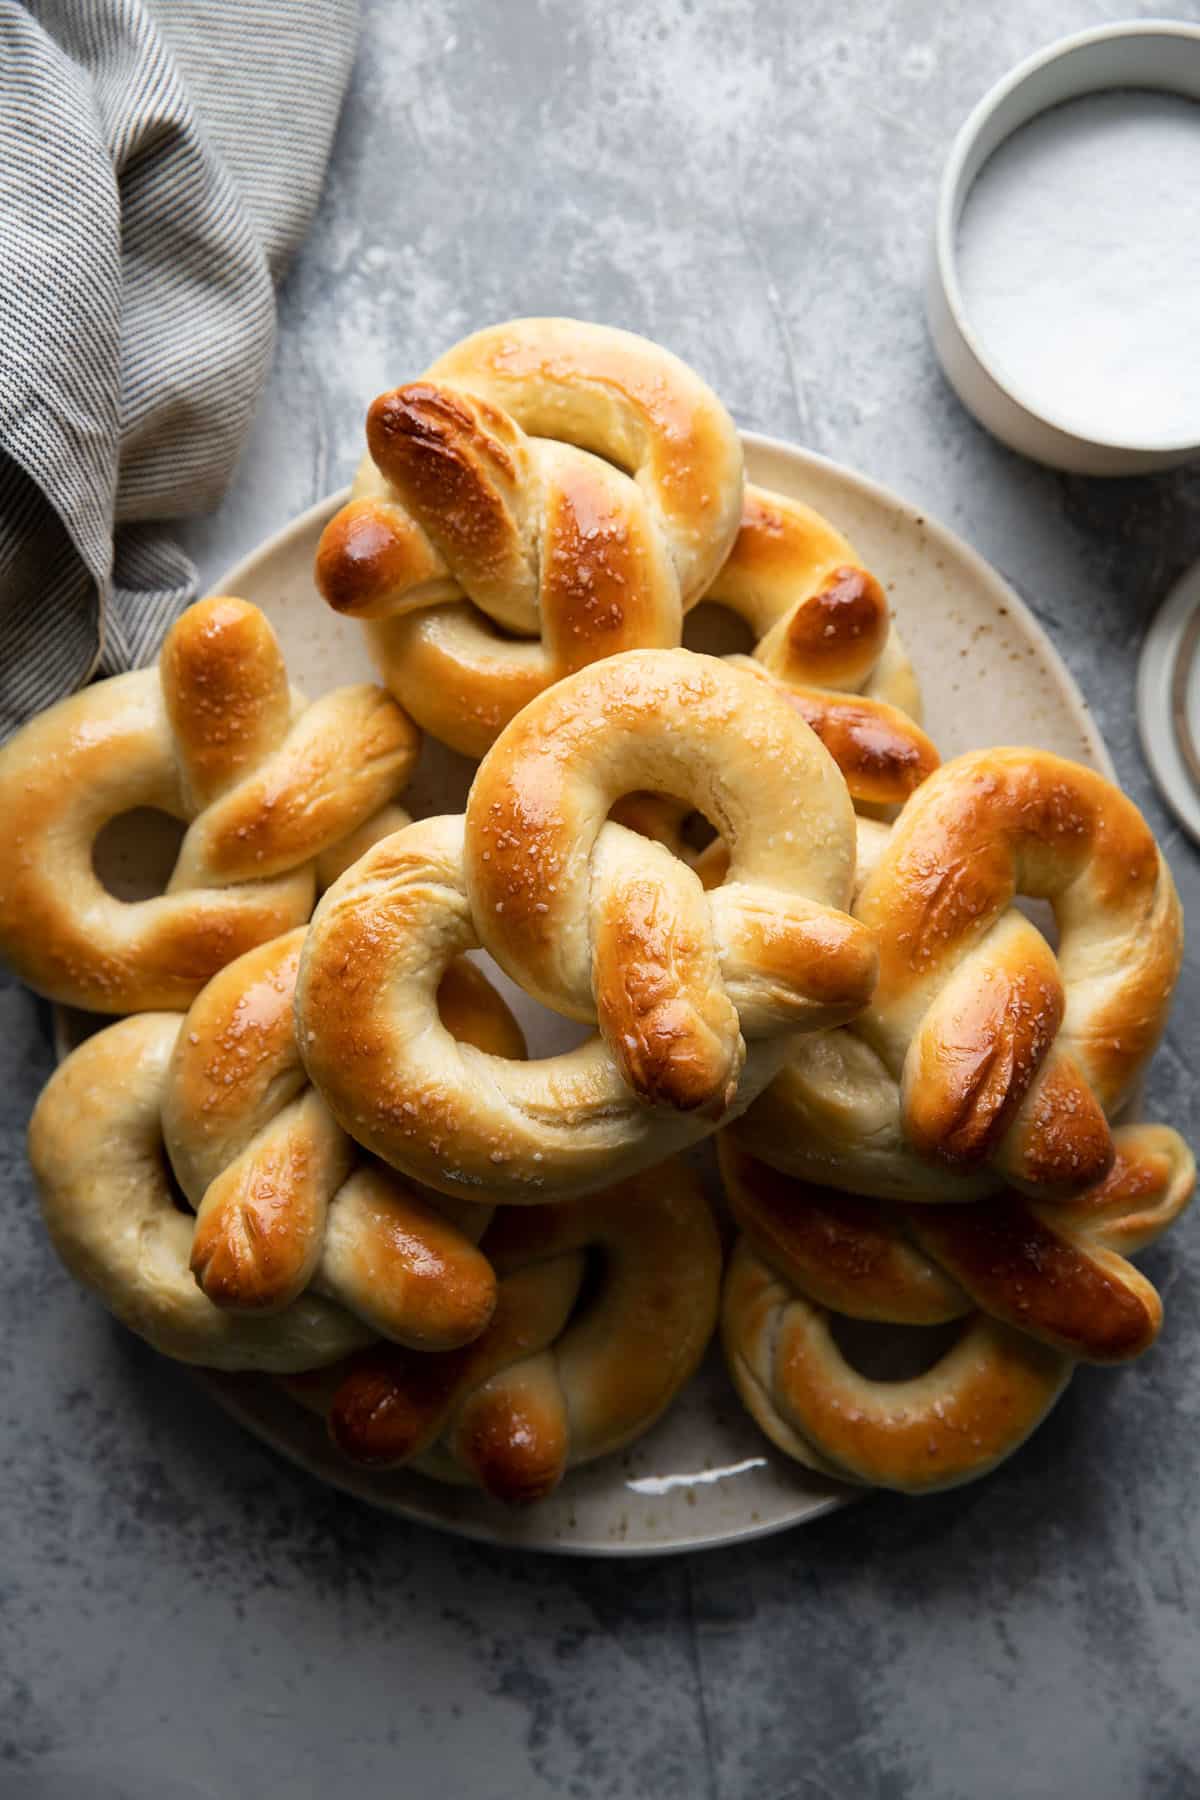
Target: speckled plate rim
[[299, 1436], [302, 1440], [1168, 699]]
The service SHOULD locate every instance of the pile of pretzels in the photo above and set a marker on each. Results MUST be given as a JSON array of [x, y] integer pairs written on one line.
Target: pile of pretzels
[[309, 1142]]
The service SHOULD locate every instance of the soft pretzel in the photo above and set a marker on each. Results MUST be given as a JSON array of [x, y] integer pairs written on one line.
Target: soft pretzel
[[567, 1371], [598, 924], [549, 493], [283, 1199], [823, 628], [824, 631], [985, 1057], [301, 1251], [1037, 1288], [215, 737]]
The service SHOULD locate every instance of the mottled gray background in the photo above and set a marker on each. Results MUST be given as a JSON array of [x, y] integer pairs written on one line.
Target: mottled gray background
[[183, 1614]]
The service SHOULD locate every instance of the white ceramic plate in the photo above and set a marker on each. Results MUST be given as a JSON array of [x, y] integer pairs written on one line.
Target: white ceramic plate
[[705, 1475]]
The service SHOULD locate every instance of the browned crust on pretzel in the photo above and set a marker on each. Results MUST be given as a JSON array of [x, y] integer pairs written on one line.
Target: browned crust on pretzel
[[836, 628], [1017, 1267], [882, 753], [1061, 1143], [402, 1246], [392, 1402], [842, 1249], [677, 1044], [1151, 1181], [840, 625], [915, 1436], [825, 955], [950, 873], [515, 1439], [226, 691], [541, 1388], [388, 1402], [1004, 1396], [240, 1039], [1049, 1283], [653, 1236], [823, 622], [459, 464], [254, 1241], [986, 1057], [369, 551], [215, 737], [522, 811], [323, 783], [52, 948], [251, 1249], [689, 443], [602, 579]]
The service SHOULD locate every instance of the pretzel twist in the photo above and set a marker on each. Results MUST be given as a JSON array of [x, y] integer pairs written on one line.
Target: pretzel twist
[[1037, 1288], [580, 561], [985, 1057], [566, 1371], [300, 1251], [598, 924], [215, 737], [283, 1199], [492, 548]]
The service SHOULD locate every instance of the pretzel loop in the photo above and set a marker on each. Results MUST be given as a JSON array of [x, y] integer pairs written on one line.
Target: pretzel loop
[[300, 1250], [214, 737], [694, 995], [95, 1143], [986, 1056], [824, 632], [567, 1370], [1036, 1288], [572, 484]]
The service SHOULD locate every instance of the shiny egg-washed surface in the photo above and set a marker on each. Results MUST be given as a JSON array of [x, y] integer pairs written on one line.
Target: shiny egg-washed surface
[[704, 1475]]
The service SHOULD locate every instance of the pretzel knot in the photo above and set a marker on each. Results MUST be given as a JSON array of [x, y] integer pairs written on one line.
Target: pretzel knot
[[823, 629], [985, 1057], [1037, 1288], [300, 1251], [550, 493], [598, 924], [215, 737], [605, 1308]]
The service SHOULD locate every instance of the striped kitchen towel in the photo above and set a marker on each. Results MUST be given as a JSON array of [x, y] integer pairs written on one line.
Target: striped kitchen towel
[[159, 162]]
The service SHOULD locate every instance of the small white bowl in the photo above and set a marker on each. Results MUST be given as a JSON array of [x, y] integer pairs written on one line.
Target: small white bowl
[[1154, 53]]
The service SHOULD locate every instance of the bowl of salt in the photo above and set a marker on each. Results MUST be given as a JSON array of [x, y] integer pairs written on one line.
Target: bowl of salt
[[1064, 289]]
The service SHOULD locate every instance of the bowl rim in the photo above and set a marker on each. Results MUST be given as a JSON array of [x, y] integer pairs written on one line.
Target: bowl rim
[[954, 188]]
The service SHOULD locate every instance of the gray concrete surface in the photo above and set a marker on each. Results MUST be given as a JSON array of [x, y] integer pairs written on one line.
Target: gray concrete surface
[[185, 1616]]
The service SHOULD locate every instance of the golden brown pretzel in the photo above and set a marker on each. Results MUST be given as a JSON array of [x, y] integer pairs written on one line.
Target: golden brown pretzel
[[985, 1057], [215, 737], [493, 536], [824, 632], [598, 924], [291, 1221], [565, 1372], [1037, 1288], [823, 629], [283, 1199]]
